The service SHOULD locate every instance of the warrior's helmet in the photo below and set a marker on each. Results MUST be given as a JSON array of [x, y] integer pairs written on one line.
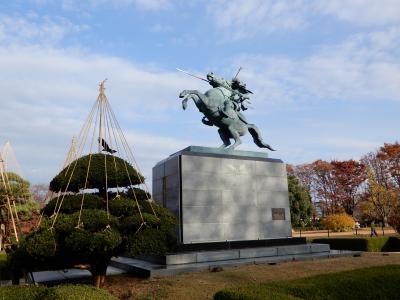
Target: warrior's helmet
[[238, 84]]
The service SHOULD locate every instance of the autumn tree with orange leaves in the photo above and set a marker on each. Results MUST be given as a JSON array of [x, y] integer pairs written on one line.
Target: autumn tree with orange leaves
[[348, 177], [371, 185]]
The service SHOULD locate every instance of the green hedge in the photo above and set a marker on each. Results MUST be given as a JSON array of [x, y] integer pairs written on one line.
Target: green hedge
[[371, 244], [369, 283], [60, 292]]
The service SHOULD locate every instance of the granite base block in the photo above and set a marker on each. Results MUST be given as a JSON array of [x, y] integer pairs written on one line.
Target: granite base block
[[224, 195]]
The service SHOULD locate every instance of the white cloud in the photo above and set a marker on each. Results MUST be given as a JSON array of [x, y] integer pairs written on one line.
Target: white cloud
[[31, 29], [47, 94], [239, 19], [362, 12], [161, 28], [363, 67], [150, 5]]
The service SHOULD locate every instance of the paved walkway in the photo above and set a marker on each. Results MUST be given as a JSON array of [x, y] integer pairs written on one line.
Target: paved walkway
[[69, 275], [362, 232], [61, 276]]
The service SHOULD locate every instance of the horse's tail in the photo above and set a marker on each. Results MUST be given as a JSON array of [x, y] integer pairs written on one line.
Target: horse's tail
[[255, 133]]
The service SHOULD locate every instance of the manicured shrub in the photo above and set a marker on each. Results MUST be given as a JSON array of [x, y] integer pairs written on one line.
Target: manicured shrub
[[148, 241], [338, 222], [121, 206], [72, 203], [120, 176], [369, 283]]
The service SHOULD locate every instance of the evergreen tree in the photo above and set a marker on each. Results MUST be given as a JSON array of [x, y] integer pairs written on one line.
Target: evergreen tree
[[300, 203], [88, 224]]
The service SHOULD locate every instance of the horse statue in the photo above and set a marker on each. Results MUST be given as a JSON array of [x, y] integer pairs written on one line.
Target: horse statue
[[219, 110]]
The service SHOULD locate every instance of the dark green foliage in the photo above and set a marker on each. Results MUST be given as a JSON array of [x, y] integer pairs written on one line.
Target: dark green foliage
[[65, 245], [372, 244], [148, 241], [157, 234], [91, 220], [16, 186], [60, 292], [132, 224], [41, 245], [90, 234], [72, 203], [300, 203], [132, 193], [37, 250], [87, 245], [27, 210], [123, 175], [369, 283], [94, 220], [120, 206]]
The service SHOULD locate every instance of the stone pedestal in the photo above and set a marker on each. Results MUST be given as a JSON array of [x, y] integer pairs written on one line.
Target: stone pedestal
[[221, 195]]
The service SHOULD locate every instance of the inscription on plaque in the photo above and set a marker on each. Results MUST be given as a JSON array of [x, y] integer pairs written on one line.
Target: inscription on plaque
[[278, 214]]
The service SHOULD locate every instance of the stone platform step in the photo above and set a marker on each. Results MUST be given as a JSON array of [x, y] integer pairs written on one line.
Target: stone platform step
[[69, 275], [244, 253], [195, 261]]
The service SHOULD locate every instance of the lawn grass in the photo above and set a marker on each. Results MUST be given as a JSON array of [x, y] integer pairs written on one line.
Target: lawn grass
[[203, 285], [370, 283], [58, 292]]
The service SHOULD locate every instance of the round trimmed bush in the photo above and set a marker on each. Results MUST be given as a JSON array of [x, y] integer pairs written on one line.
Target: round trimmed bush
[[123, 175], [72, 203], [338, 222]]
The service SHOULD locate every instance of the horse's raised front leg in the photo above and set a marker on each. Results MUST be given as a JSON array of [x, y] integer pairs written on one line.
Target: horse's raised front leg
[[185, 94], [200, 96], [184, 103]]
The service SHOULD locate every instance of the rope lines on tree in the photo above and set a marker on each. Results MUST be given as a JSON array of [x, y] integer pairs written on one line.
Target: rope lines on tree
[[102, 127], [8, 195]]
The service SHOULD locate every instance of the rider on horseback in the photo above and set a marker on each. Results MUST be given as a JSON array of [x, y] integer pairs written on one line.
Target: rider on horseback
[[234, 102], [222, 107]]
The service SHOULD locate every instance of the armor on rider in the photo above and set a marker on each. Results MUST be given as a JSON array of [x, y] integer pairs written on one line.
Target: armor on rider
[[233, 103]]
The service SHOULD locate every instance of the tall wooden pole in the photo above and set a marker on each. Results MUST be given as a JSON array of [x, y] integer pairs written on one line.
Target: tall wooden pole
[[2, 170]]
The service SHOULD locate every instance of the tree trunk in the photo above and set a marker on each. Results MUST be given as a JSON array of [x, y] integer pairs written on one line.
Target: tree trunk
[[97, 281], [15, 279], [98, 271]]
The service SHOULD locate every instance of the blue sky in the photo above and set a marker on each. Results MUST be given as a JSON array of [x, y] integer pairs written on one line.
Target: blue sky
[[325, 74]]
